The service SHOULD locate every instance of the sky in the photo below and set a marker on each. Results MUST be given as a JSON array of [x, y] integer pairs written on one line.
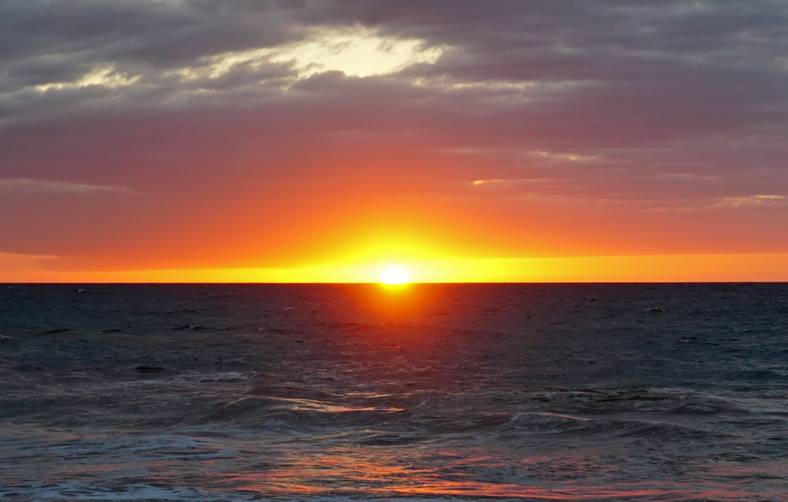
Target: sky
[[324, 140]]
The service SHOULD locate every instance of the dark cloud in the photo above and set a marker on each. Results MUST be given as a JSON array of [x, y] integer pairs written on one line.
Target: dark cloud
[[592, 109]]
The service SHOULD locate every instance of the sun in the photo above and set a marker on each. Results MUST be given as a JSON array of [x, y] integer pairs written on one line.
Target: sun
[[393, 275]]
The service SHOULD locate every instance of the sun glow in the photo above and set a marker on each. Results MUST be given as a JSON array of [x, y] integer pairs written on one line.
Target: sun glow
[[394, 275]]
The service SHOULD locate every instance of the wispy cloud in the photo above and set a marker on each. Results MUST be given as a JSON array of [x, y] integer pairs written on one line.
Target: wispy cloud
[[750, 200], [506, 181], [28, 185], [562, 157], [491, 181]]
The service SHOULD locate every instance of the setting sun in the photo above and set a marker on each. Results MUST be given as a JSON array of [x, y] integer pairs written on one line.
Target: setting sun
[[394, 275]]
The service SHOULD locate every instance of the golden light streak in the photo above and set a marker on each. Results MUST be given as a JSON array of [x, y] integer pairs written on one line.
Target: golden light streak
[[647, 268]]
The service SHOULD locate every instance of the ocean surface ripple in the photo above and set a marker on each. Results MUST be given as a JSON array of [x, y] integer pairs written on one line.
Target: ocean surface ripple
[[429, 392]]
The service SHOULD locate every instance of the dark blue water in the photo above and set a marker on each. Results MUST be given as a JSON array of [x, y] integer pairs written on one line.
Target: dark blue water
[[539, 392]]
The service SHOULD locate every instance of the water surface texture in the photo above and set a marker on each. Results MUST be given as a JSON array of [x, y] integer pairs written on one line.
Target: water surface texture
[[326, 392]]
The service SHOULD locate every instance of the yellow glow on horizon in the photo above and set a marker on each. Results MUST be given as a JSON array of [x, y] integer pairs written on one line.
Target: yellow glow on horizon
[[434, 269]]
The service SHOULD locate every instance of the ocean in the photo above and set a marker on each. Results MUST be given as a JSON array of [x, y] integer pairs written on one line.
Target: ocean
[[426, 392]]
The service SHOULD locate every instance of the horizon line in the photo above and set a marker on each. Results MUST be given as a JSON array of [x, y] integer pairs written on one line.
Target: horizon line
[[374, 283]]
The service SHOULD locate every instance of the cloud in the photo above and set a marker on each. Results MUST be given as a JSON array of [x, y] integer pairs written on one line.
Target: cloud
[[353, 52], [750, 200], [22, 186], [563, 157], [101, 76]]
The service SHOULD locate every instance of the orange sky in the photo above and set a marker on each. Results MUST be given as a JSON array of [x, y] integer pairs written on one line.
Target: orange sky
[[467, 145]]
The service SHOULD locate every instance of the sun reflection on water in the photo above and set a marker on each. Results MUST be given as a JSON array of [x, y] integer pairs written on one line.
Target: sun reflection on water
[[378, 473]]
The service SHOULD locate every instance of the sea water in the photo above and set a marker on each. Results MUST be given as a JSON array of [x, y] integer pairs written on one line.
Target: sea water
[[332, 392]]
